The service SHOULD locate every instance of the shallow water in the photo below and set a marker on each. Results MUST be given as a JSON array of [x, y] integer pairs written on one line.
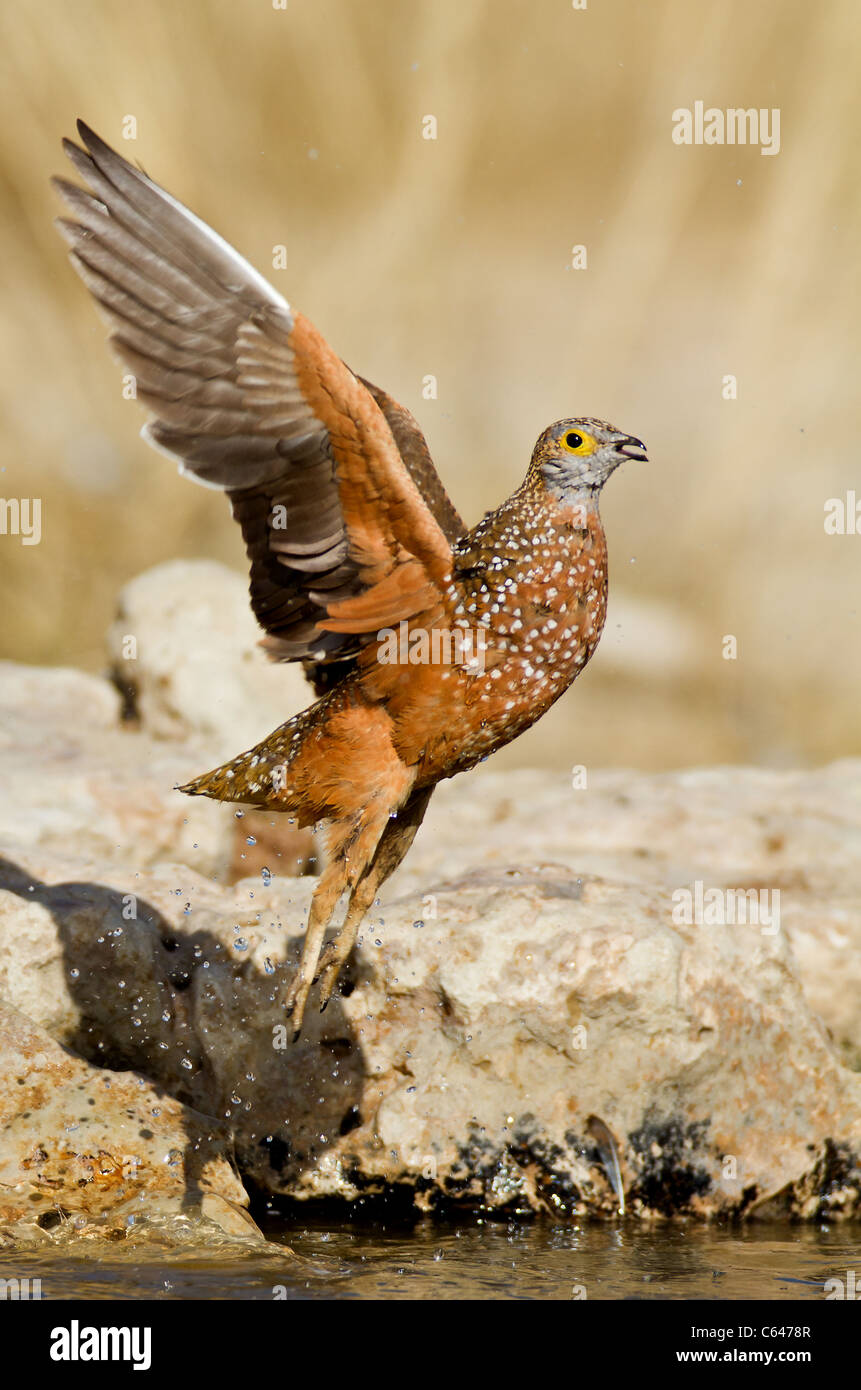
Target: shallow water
[[366, 1259]]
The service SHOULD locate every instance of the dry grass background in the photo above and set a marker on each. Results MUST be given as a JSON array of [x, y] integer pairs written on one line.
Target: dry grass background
[[452, 257]]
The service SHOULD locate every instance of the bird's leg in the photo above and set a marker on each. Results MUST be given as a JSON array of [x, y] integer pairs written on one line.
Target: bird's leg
[[329, 965], [351, 848], [323, 904], [394, 842]]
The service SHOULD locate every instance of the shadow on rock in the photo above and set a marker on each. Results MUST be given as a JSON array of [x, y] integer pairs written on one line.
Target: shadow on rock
[[180, 999]]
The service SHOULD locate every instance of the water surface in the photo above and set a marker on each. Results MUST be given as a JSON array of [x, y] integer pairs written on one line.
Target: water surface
[[363, 1258]]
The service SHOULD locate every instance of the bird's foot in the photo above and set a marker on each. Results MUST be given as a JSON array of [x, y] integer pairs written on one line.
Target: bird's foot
[[328, 981], [330, 962], [315, 966], [294, 1004]]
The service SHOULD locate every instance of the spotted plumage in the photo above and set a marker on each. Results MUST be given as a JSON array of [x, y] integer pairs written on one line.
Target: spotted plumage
[[429, 644]]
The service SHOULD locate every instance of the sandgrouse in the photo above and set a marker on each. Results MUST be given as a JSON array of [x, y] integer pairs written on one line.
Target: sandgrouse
[[428, 644]]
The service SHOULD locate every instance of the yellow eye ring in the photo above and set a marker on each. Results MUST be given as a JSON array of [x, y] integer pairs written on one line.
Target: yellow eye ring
[[578, 442]]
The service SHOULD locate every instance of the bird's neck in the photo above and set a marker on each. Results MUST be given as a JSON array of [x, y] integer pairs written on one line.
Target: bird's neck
[[574, 506]]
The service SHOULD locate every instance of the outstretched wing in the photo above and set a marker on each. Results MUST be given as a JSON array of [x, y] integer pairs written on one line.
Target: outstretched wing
[[416, 455], [347, 526]]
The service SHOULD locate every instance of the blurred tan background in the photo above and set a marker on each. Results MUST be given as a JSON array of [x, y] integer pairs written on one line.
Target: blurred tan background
[[453, 258]]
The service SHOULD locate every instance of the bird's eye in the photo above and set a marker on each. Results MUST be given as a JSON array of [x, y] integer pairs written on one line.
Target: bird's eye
[[578, 442]]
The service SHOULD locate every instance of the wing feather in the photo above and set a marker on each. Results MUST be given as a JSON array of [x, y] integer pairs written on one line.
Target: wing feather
[[346, 523]]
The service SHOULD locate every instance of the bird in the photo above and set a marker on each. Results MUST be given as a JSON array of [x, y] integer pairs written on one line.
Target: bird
[[428, 644]]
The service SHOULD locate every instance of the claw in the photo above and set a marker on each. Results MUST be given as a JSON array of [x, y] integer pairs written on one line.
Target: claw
[[329, 980], [294, 1004]]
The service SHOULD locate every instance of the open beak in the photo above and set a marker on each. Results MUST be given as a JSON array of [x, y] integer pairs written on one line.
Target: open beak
[[632, 448]]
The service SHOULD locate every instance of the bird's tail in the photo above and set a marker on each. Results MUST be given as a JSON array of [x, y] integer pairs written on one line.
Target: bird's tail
[[263, 776]]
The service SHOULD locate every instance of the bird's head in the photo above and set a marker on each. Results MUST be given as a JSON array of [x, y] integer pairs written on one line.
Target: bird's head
[[577, 456]]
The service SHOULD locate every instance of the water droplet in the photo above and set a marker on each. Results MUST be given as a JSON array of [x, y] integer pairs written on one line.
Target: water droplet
[[239, 814], [266, 875], [250, 840], [418, 924], [268, 966]]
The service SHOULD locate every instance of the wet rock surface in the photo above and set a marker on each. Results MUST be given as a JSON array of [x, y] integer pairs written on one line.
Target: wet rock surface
[[101, 1150], [530, 971], [470, 1047]]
